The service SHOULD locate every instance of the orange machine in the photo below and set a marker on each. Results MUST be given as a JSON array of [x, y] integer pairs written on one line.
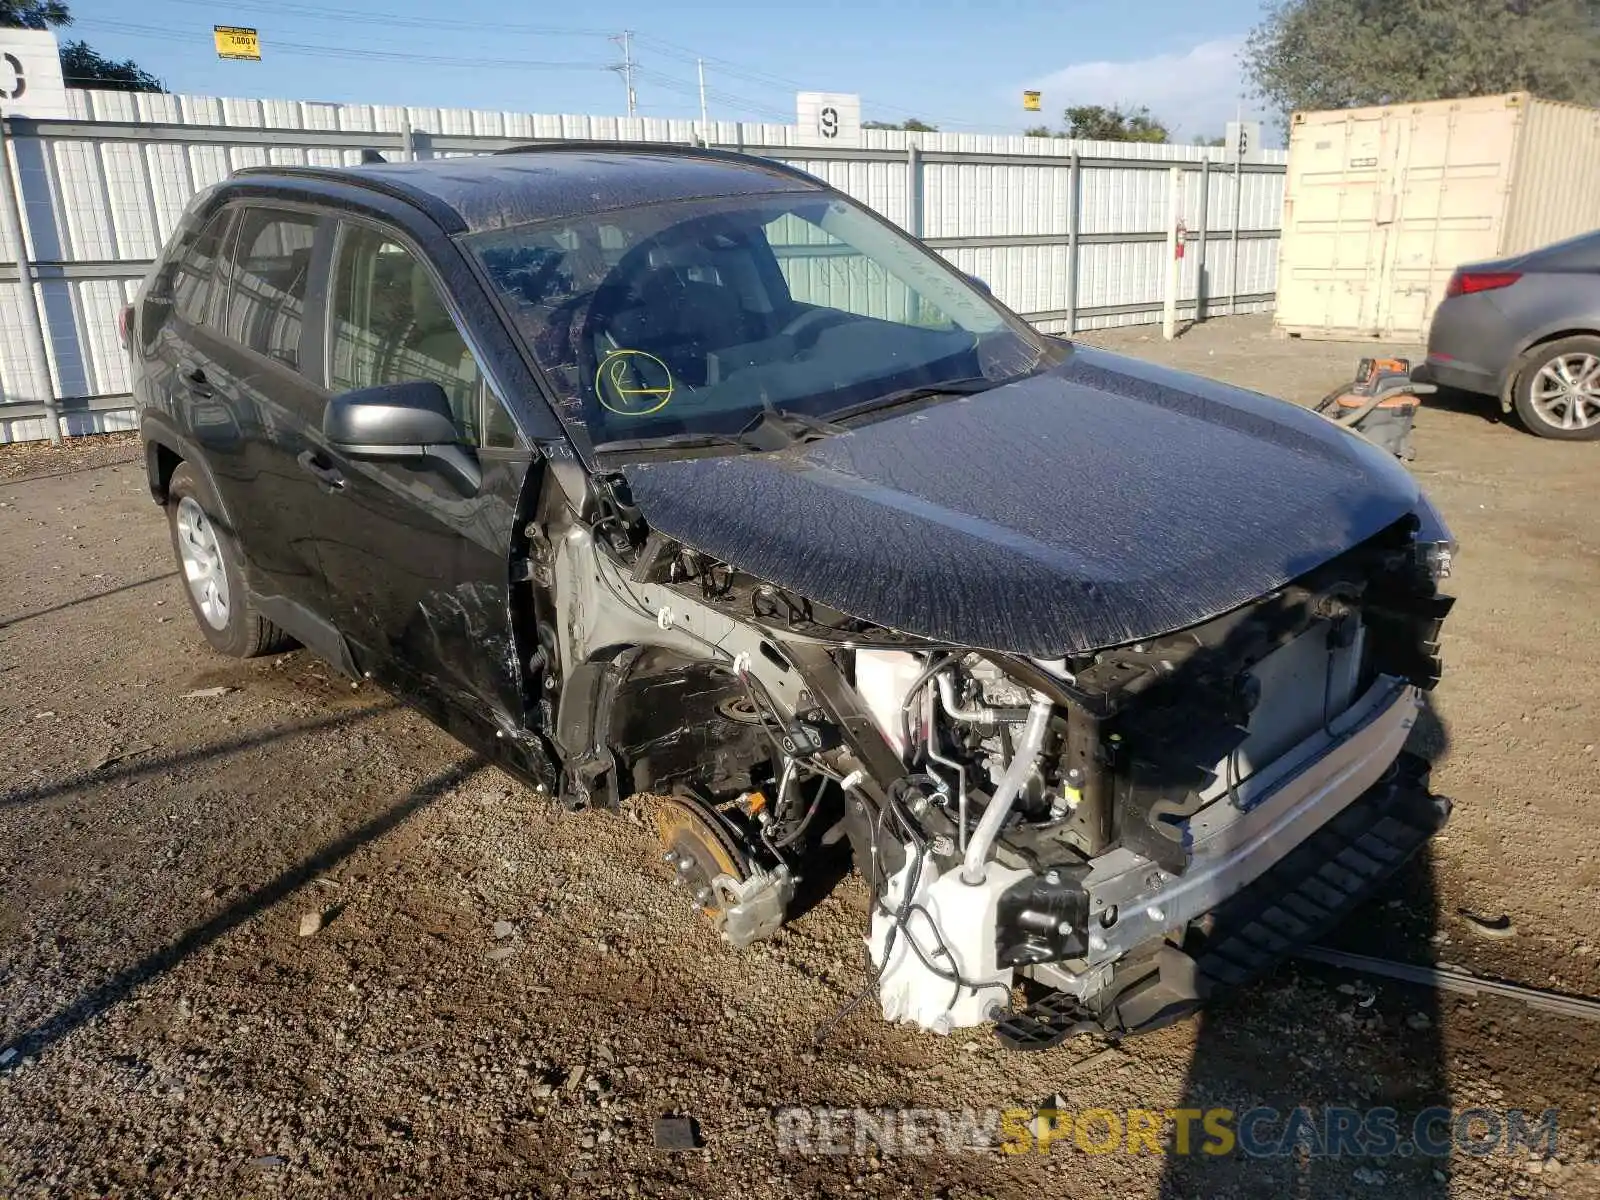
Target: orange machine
[[1380, 404]]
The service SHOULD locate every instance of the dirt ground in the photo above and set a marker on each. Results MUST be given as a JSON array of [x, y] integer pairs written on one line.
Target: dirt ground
[[172, 1031]]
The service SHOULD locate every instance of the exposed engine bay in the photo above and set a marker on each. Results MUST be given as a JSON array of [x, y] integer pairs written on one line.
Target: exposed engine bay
[[1074, 822]]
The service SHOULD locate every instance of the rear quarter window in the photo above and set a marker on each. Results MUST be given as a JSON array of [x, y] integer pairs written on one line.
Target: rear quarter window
[[195, 269]]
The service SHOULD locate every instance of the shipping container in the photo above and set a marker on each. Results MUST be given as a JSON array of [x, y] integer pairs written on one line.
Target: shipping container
[[1382, 204]]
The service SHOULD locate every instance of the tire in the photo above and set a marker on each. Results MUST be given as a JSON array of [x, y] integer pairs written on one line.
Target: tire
[[1547, 403], [212, 571]]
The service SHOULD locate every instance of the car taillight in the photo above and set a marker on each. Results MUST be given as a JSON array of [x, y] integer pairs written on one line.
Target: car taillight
[[1466, 283], [125, 326]]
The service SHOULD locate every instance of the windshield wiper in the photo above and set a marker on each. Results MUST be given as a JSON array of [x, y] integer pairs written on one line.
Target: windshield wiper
[[667, 441], [772, 429], [968, 386], [778, 429]]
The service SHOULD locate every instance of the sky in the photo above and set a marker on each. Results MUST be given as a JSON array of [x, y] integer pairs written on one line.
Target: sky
[[957, 64]]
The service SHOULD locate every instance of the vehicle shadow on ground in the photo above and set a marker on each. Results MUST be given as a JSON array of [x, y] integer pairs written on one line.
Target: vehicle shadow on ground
[[113, 991], [8, 622], [1452, 400], [1308, 1052], [9, 481], [134, 765]]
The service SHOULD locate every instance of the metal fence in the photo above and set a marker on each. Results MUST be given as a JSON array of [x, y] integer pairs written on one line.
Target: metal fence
[[1069, 233]]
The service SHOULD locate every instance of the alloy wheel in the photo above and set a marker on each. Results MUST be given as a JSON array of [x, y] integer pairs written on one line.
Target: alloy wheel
[[1566, 391], [202, 563]]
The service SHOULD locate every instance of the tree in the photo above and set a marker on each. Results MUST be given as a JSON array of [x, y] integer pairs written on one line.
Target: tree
[[1316, 54], [33, 14], [84, 67], [1201, 139], [1098, 123], [81, 65], [910, 125]]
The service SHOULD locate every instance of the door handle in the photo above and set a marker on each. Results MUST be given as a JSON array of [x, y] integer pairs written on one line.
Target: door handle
[[194, 378], [328, 475]]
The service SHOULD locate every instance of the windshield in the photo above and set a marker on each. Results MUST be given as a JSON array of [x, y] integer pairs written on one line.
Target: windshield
[[697, 317]]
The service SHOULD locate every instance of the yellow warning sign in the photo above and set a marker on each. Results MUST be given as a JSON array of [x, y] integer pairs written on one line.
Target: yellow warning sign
[[234, 41], [1030, 100]]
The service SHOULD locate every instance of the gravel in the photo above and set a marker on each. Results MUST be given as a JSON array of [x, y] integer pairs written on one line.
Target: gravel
[[165, 1028]]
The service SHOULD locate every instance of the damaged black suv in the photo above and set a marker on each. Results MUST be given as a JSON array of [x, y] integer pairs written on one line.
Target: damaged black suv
[[675, 473]]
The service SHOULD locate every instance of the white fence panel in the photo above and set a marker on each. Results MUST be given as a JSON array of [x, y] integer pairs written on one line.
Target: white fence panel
[[1028, 278], [975, 200]]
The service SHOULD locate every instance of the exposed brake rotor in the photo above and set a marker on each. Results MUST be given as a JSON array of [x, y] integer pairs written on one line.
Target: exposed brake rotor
[[698, 847]]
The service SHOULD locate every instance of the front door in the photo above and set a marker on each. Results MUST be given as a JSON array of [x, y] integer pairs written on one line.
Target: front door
[[418, 566]]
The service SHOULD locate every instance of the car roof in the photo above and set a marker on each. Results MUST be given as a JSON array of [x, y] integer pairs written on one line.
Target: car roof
[[475, 193]]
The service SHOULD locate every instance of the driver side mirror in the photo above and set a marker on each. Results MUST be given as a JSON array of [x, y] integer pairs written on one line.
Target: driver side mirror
[[981, 285], [400, 421]]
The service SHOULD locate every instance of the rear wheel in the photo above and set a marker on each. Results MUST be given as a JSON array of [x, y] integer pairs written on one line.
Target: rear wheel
[[213, 572], [1558, 389]]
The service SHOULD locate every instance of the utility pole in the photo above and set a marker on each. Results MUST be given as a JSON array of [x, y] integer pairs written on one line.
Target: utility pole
[[705, 121], [625, 40]]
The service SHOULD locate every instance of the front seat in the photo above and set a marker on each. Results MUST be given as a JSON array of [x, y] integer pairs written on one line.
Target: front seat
[[435, 350], [680, 321]]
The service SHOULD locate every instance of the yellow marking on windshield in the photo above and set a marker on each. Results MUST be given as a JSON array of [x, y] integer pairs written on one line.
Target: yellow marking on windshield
[[636, 381]]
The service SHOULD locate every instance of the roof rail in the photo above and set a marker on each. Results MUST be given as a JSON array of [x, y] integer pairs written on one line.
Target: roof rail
[[447, 217], [715, 153], [395, 186]]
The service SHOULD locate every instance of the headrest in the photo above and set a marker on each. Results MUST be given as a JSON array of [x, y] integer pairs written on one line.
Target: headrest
[[427, 309]]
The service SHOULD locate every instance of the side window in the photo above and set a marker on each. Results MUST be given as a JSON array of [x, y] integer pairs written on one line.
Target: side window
[[195, 271], [390, 325], [269, 266]]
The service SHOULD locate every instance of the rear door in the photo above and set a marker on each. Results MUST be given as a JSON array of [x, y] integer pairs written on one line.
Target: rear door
[[249, 380], [178, 319], [418, 569]]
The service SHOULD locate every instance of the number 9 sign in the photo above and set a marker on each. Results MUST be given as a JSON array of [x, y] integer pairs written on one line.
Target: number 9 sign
[[827, 118], [30, 74], [13, 80]]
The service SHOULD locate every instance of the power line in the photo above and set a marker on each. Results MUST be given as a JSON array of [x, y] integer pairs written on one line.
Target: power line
[[357, 17], [378, 54], [672, 49], [688, 88], [725, 98], [369, 54], [436, 60], [728, 67], [628, 67]]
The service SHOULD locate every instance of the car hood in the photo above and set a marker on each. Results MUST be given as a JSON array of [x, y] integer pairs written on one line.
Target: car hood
[[1102, 502]]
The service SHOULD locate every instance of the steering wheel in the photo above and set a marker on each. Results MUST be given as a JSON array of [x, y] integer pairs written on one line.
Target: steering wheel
[[603, 304], [812, 318]]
